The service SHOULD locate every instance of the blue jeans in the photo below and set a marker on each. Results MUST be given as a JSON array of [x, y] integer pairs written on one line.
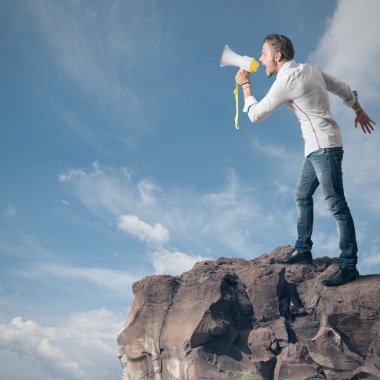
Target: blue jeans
[[324, 167]]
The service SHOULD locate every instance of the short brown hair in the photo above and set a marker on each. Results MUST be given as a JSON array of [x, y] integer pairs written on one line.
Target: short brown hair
[[281, 44]]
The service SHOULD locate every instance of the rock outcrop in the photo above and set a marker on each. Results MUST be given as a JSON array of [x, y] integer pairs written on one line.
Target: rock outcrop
[[238, 319]]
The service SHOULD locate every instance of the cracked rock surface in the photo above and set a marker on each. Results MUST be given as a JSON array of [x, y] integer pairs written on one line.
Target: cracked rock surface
[[233, 319]]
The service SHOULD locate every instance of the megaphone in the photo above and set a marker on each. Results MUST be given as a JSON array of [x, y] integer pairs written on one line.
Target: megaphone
[[230, 58]]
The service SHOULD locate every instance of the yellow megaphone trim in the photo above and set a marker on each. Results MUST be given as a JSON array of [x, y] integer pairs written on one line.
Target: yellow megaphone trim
[[254, 65]]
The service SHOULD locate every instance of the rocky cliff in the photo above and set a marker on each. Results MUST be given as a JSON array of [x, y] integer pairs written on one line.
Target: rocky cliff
[[238, 319]]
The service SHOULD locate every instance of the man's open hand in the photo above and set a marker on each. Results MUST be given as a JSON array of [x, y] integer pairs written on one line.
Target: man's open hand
[[365, 122]]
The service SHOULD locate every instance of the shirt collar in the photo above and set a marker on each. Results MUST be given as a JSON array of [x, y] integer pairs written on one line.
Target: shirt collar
[[285, 66]]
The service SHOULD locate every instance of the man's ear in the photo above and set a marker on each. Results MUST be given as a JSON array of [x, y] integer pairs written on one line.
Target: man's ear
[[278, 56]]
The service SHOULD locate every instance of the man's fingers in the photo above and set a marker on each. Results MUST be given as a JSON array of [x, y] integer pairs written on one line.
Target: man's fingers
[[367, 128]]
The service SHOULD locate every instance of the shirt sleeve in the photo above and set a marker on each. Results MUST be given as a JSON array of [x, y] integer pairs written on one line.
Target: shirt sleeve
[[339, 88], [258, 111]]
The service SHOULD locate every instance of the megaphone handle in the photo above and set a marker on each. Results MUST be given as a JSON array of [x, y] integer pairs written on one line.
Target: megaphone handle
[[236, 93]]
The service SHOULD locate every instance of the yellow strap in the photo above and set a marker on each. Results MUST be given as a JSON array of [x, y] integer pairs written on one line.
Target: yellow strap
[[236, 93]]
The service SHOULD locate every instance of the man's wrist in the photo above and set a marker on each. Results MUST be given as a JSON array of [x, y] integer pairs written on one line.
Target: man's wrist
[[246, 85], [356, 106], [359, 112]]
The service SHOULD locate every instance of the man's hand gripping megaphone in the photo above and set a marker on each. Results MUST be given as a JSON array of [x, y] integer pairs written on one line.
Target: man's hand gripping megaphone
[[242, 77]]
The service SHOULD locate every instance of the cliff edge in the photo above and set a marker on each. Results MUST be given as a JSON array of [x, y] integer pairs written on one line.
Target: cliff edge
[[249, 320]]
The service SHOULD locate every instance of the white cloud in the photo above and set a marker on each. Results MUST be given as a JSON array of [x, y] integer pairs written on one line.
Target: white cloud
[[350, 51], [27, 339], [89, 337], [173, 262], [156, 234]]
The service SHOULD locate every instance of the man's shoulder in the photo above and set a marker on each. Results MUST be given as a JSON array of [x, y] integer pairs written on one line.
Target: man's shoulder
[[294, 69]]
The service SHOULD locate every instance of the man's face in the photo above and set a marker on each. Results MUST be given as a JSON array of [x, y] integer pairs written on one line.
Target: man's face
[[268, 60]]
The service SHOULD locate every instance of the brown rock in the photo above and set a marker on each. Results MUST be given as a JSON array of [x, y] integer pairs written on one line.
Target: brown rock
[[236, 319]]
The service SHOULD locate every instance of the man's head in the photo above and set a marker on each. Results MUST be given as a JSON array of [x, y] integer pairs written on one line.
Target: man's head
[[281, 44], [277, 49]]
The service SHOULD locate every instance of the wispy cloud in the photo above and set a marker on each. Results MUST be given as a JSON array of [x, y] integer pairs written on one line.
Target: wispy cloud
[[373, 257], [326, 244], [104, 191], [320, 206], [26, 246], [113, 280], [10, 211], [100, 50], [268, 149], [229, 218], [90, 56], [147, 189], [279, 155]]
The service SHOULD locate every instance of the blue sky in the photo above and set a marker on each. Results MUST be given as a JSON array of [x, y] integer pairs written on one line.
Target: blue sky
[[119, 158]]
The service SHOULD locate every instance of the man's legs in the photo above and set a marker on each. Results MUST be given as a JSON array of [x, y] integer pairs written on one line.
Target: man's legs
[[305, 189], [307, 184], [328, 168]]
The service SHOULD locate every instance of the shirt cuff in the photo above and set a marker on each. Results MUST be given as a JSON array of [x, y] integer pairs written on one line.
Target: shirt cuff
[[249, 101], [350, 103]]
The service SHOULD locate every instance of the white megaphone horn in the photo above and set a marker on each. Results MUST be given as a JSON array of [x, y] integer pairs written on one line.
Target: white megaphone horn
[[230, 58]]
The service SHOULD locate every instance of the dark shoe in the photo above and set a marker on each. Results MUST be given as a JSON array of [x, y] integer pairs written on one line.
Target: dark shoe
[[344, 275], [296, 258]]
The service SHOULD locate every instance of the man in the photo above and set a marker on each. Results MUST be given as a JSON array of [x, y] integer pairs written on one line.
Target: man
[[303, 88]]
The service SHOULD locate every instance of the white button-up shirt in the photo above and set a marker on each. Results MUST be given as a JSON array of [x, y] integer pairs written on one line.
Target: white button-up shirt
[[303, 88]]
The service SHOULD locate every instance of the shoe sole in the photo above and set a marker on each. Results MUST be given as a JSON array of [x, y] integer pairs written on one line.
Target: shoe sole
[[326, 283], [303, 262]]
